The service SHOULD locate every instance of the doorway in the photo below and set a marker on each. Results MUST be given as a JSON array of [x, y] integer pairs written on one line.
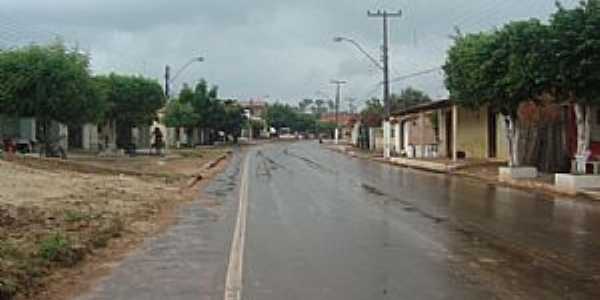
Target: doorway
[[492, 134], [449, 135]]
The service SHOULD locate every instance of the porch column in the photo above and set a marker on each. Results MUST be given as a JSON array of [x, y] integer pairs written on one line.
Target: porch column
[[442, 141], [454, 132], [89, 137], [397, 137], [422, 135], [387, 137]]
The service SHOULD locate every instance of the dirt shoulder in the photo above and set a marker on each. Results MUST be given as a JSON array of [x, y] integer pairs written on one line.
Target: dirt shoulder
[[59, 220]]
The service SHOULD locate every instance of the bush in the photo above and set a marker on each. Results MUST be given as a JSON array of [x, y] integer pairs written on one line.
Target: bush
[[58, 249]]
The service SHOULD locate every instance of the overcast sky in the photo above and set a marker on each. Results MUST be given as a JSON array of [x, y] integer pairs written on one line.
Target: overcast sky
[[275, 49]]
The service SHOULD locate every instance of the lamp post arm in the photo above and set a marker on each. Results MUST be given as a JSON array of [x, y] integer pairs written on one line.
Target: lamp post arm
[[180, 71], [361, 49]]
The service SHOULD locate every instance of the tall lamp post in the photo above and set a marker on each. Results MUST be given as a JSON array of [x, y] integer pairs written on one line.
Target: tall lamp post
[[169, 80]]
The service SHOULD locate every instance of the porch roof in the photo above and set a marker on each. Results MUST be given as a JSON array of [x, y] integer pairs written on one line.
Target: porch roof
[[423, 107]]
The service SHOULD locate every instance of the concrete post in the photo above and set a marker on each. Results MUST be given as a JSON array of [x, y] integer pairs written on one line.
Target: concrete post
[[397, 137], [387, 137], [89, 137], [454, 132], [443, 138], [423, 151]]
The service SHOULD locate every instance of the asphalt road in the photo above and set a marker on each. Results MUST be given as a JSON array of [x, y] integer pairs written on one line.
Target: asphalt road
[[321, 225]]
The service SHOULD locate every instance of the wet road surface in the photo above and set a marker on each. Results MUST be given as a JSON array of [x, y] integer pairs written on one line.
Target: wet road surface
[[324, 226], [321, 225]]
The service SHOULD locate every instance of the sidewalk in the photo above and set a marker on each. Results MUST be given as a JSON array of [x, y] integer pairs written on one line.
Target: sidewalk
[[486, 170]]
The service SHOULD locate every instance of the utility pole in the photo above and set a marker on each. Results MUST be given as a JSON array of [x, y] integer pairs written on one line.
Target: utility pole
[[386, 76], [338, 94], [167, 81]]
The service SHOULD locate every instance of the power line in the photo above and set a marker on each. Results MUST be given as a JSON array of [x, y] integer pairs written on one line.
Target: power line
[[415, 74]]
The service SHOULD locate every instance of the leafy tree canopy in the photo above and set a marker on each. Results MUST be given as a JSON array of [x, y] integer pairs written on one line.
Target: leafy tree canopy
[[179, 113], [282, 115], [49, 83], [131, 99], [372, 114], [408, 98], [502, 68], [576, 52]]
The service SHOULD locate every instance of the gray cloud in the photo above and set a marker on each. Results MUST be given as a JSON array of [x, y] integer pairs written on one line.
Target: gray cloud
[[279, 48]]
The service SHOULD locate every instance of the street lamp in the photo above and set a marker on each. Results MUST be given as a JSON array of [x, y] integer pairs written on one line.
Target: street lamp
[[339, 39], [169, 80]]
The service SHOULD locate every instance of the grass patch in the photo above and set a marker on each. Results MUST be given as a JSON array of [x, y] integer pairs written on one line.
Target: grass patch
[[57, 248], [17, 270]]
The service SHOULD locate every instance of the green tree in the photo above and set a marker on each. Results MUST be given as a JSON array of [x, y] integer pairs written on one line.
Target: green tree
[[179, 113], [208, 107], [408, 98], [279, 115], [304, 123], [232, 118], [285, 116], [500, 69], [372, 114], [576, 62], [49, 83], [132, 101]]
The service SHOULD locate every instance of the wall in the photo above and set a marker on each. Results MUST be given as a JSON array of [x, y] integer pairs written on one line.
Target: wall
[[90, 137], [421, 129], [376, 139], [9, 127], [472, 133], [501, 139], [397, 138]]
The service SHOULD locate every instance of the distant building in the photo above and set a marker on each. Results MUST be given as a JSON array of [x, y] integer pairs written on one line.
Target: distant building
[[346, 122], [253, 111], [344, 118]]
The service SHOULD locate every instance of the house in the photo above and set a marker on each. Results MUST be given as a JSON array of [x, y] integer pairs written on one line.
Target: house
[[346, 122], [254, 108], [253, 111], [442, 129], [28, 133]]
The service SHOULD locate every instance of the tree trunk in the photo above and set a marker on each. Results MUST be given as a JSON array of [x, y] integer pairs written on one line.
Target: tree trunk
[[512, 135], [582, 117]]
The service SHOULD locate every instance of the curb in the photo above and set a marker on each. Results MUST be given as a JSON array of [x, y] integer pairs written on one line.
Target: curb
[[458, 171], [208, 166]]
